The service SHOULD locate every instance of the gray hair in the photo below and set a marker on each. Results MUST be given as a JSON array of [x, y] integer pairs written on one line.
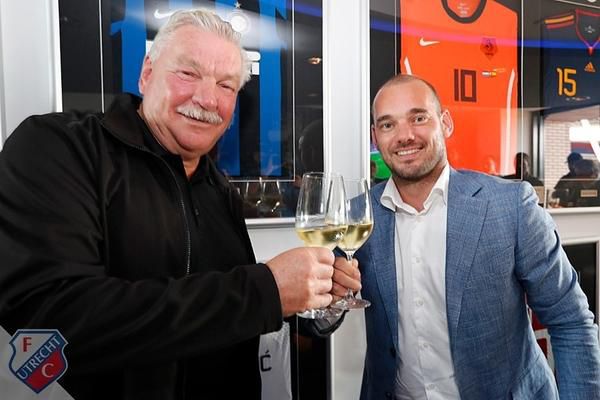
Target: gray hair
[[207, 21]]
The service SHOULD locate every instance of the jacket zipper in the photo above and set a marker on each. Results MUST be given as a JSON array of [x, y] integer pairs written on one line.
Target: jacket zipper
[[188, 240]]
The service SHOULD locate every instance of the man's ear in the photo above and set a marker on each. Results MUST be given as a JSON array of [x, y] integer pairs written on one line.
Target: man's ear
[[374, 137], [447, 123], [145, 74]]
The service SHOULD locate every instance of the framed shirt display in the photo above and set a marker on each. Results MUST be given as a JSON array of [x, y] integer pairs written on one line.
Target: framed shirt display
[[520, 79], [468, 50], [103, 45], [571, 59]]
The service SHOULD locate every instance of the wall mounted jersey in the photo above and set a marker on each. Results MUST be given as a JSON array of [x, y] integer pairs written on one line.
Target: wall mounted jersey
[[571, 60], [467, 49]]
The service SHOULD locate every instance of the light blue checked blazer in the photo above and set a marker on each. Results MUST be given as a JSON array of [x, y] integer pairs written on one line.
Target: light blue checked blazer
[[501, 248]]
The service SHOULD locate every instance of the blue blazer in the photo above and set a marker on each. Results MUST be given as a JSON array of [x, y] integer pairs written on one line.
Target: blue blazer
[[501, 247]]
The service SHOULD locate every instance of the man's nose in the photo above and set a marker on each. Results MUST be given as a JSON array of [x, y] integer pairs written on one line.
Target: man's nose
[[206, 94], [404, 132]]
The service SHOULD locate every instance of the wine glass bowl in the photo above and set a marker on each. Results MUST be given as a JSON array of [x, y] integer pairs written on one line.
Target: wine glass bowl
[[321, 219], [360, 225], [327, 235]]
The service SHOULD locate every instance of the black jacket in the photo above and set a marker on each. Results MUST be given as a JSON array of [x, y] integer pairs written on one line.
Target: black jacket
[[93, 242]]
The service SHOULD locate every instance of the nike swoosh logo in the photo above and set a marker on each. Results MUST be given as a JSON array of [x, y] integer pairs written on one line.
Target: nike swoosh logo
[[424, 42], [161, 15]]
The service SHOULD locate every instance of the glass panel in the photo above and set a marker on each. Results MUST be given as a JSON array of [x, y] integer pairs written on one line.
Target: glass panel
[[523, 93], [571, 157], [276, 133], [469, 51], [384, 41], [570, 34], [584, 259]]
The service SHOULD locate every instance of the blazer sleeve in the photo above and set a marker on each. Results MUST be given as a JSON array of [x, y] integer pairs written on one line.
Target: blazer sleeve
[[557, 299]]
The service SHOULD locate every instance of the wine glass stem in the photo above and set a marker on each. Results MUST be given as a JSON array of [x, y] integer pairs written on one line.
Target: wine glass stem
[[349, 294]]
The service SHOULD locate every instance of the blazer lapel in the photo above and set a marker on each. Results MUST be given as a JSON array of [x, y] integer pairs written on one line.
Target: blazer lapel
[[383, 259], [466, 214]]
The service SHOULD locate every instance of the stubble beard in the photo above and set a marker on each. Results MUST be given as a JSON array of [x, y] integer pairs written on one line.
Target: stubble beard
[[425, 169]]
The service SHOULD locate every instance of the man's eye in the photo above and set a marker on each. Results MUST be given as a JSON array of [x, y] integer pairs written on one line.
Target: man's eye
[[228, 86], [385, 126], [420, 119], [187, 75]]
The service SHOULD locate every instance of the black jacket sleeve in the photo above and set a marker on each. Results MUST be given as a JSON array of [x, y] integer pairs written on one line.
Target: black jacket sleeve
[[53, 273]]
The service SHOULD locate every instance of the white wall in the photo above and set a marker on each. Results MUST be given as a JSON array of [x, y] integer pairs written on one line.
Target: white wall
[[575, 224], [27, 73]]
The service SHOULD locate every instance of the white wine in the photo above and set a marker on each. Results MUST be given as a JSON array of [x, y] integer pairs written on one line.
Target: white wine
[[356, 236], [322, 236]]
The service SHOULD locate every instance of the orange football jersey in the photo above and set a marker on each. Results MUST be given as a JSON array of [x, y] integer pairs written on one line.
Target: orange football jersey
[[467, 49]]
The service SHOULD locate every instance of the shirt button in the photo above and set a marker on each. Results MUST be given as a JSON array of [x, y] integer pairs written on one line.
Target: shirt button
[[430, 387], [417, 260], [424, 346], [419, 302]]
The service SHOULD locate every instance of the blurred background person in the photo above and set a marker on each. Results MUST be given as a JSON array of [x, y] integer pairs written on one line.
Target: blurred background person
[[586, 185], [490, 166], [523, 170], [562, 189]]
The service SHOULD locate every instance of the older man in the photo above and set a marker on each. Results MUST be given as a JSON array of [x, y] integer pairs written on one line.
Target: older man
[[117, 230]]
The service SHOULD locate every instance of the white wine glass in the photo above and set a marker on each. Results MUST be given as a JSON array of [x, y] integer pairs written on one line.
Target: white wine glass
[[321, 220], [360, 225]]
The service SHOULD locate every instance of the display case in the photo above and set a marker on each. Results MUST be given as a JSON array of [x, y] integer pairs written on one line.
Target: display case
[[520, 79], [277, 130]]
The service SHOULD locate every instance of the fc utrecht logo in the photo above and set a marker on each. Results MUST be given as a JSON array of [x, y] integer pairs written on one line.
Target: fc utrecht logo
[[38, 357]]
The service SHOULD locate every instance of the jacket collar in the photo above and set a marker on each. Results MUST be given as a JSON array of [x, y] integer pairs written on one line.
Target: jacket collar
[[124, 123], [466, 214], [382, 257]]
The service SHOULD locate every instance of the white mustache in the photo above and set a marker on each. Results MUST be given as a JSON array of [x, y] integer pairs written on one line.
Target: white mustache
[[200, 114]]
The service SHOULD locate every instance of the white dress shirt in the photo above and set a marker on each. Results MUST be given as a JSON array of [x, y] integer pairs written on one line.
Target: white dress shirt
[[425, 370]]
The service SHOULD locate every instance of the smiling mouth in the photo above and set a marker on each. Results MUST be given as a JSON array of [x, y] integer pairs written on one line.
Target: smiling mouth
[[189, 117], [407, 152]]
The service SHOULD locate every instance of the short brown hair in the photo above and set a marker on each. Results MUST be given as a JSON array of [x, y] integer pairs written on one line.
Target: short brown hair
[[406, 78]]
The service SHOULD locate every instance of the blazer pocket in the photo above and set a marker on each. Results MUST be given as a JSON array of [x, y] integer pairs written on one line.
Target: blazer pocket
[[536, 384]]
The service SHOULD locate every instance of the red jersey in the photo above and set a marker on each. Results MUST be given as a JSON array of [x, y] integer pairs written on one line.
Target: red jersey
[[467, 49]]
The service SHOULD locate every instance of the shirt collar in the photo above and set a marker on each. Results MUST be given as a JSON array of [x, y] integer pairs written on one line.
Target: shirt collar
[[441, 186], [391, 199]]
